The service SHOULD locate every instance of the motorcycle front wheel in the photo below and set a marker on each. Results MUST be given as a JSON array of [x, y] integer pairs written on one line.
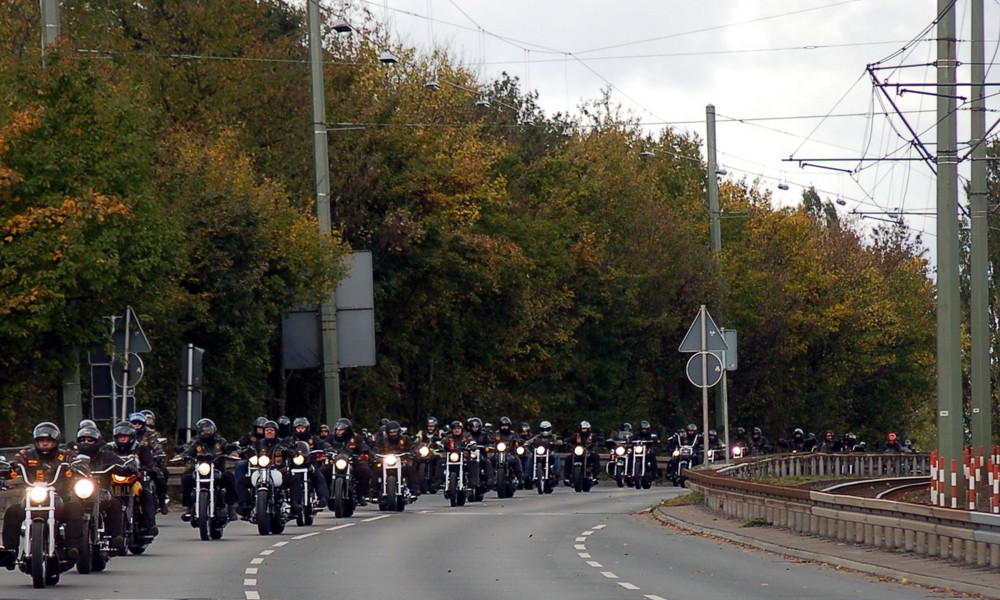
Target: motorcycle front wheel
[[453, 491], [84, 561], [204, 516], [391, 499], [263, 517], [340, 498], [39, 543]]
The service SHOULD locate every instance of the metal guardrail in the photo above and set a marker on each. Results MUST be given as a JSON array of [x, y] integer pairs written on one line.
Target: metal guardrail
[[958, 535]]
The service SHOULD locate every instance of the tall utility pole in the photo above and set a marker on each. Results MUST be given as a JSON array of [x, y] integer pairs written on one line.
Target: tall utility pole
[[980, 328], [721, 402], [328, 309], [71, 396], [949, 375]]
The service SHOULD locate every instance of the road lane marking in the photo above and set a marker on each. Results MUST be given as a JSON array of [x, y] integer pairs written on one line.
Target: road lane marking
[[252, 595], [370, 519], [609, 574], [256, 561], [581, 539], [305, 535], [595, 564], [588, 532], [336, 527], [601, 526], [278, 544], [653, 597], [266, 552], [579, 546], [628, 586], [584, 554], [250, 571], [250, 582]]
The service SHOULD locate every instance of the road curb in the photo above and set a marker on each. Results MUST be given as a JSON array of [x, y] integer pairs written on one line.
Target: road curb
[[901, 575]]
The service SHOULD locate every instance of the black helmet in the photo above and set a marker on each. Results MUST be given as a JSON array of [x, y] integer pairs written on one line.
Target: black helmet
[[205, 428], [301, 422], [691, 428], [475, 423], [626, 427], [756, 431], [125, 429], [584, 426], [798, 432], [392, 429], [643, 425], [383, 422], [505, 421], [712, 433], [545, 428], [741, 431], [456, 425], [86, 423], [43, 430], [137, 417], [432, 423], [269, 424], [92, 435], [525, 428], [258, 423], [284, 426], [150, 417]]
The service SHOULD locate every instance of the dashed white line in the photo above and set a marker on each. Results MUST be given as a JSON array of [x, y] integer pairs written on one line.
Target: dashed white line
[[588, 532], [653, 597], [266, 552], [256, 561], [370, 519], [581, 539], [628, 586], [252, 595], [305, 535], [579, 547], [250, 582], [609, 574], [336, 527], [279, 544], [584, 554], [601, 526], [250, 571], [595, 564]]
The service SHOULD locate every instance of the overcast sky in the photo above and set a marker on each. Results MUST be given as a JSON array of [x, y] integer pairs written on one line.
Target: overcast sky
[[788, 79]]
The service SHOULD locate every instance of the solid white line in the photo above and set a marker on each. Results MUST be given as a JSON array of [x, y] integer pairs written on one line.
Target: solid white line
[[588, 532], [584, 554], [250, 571], [256, 561], [266, 552], [594, 564], [370, 519], [579, 547], [581, 539], [628, 586], [250, 582], [609, 574], [653, 597], [305, 535], [601, 526], [252, 595], [279, 544], [336, 527]]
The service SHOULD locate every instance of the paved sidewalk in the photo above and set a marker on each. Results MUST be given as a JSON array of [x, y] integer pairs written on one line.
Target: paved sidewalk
[[900, 566]]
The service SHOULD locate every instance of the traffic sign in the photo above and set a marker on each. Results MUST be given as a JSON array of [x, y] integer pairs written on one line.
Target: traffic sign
[[134, 370], [130, 338], [712, 369], [703, 335]]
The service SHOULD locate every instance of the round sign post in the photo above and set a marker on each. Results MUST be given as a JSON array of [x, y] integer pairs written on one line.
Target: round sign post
[[135, 367], [712, 369]]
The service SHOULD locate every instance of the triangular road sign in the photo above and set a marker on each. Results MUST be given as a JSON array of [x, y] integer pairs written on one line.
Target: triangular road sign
[[714, 340], [137, 341]]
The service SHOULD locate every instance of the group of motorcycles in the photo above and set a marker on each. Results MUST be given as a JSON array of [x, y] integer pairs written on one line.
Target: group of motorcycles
[[43, 552]]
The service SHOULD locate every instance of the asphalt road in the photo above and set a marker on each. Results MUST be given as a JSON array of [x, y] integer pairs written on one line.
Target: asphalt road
[[565, 545]]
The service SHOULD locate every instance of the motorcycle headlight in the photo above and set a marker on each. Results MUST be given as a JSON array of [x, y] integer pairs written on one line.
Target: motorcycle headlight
[[620, 450], [205, 469], [737, 451], [578, 451], [38, 494], [253, 460], [501, 447], [677, 452], [390, 460], [83, 488], [341, 464], [639, 449], [453, 457], [298, 460], [119, 478], [424, 451], [540, 450], [520, 450], [263, 461]]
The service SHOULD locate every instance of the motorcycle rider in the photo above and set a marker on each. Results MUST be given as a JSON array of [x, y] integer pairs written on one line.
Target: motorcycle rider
[[324, 432], [316, 478], [625, 434], [276, 449], [798, 442], [507, 435], [646, 434], [207, 442], [431, 436], [585, 437], [146, 436], [285, 430], [125, 445], [482, 439], [40, 461], [242, 466], [892, 444], [343, 438], [525, 433], [395, 442], [89, 443], [828, 444], [758, 443], [852, 444]]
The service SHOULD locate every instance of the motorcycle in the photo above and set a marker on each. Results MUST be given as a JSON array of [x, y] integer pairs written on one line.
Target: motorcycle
[[273, 508], [506, 479], [580, 470], [639, 469], [393, 493], [44, 555], [617, 467], [96, 551], [302, 467], [344, 494], [456, 477], [682, 459], [128, 488], [427, 458], [543, 470], [209, 513], [524, 456], [476, 481]]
